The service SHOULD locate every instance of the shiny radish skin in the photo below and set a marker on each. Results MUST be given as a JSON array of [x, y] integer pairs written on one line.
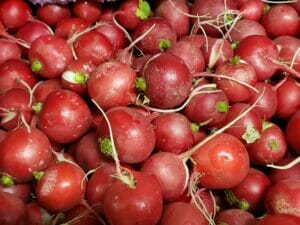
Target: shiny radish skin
[[235, 216], [279, 219]]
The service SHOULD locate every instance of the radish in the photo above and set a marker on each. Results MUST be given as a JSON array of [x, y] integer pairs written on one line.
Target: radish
[[291, 132], [167, 84], [288, 98], [35, 214], [31, 152], [235, 217], [240, 70], [45, 87], [51, 14], [14, 14], [15, 71], [278, 219], [76, 75], [223, 151], [169, 171], [181, 213], [22, 190], [249, 195], [15, 108], [87, 10], [64, 117], [112, 84], [68, 27], [41, 58], [131, 12], [282, 197], [281, 19], [87, 152], [270, 148], [93, 46], [173, 133], [12, 209], [134, 135], [174, 12], [252, 9], [160, 38], [61, 187], [82, 216], [9, 50]]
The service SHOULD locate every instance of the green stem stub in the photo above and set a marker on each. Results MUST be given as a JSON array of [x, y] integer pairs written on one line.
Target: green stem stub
[[232, 200], [222, 107], [235, 59], [37, 107], [106, 147], [80, 78], [38, 175], [273, 144], [140, 84], [251, 134], [195, 127], [36, 66], [144, 10], [7, 181], [164, 44]]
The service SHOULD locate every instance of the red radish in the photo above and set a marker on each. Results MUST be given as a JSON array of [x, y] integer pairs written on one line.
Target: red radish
[[15, 71], [76, 75], [160, 38], [170, 172], [138, 203], [267, 105], [216, 51], [131, 12], [288, 97], [14, 14], [181, 213], [64, 117], [277, 175], [173, 133], [87, 10], [51, 14], [3, 134], [222, 162], [281, 19], [250, 193], [93, 46], [248, 128], [114, 34], [261, 52], [207, 109], [112, 84], [61, 187], [68, 27], [190, 53], [283, 197], [279, 219], [98, 183], [45, 87], [235, 217], [15, 106], [9, 50], [87, 152], [35, 214], [217, 14], [288, 47], [240, 70], [47, 49], [246, 27], [133, 135], [174, 12], [291, 132], [270, 147], [29, 149], [12, 209], [32, 30], [22, 190], [167, 84]]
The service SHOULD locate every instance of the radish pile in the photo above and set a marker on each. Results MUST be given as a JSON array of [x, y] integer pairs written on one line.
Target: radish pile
[[168, 112]]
